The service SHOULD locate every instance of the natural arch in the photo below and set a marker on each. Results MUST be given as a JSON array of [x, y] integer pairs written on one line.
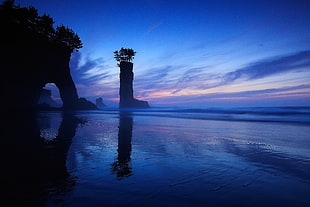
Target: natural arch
[[50, 97], [28, 67], [32, 54]]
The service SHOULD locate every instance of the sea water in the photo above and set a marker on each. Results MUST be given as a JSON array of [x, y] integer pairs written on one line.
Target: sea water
[[175, 157]]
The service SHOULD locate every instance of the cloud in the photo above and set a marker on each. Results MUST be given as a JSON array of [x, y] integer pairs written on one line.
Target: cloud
[[75, 60], [183, 82], [264, 92], [88, 72], [299, 91], [200, 78], [154, 26], [196, 78], [174, 79], [268, 67], [154, 78]]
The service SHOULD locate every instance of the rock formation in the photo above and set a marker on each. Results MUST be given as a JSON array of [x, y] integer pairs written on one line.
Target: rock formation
[[99, 103], [28, 66], [33, 54], [127, 99], [84, 104], [124, 56], [46, 98]]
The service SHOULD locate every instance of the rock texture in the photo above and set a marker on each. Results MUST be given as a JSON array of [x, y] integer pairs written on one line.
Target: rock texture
[[127, 99]]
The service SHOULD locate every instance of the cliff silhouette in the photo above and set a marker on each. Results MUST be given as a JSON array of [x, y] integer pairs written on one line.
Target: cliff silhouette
[[34, 53]]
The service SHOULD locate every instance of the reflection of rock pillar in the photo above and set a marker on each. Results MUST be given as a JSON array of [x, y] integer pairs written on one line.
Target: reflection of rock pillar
[[126, 88], [121, 167], [124, 139]]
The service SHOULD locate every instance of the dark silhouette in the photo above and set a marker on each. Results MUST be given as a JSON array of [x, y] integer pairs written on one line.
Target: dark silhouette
[[33, 53], [83, 103], [122, 165], [127, 100], [99, 103], [33, 167], [46, 99]]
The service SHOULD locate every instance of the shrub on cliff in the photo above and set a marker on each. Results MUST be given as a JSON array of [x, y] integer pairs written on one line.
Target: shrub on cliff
[[25, 24]]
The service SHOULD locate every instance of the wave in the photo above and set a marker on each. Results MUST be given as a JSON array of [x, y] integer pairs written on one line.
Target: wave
[[266, 114]]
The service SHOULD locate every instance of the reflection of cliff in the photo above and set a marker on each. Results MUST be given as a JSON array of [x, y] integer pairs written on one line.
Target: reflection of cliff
[[34, 168], [122, 165], [127, 99]]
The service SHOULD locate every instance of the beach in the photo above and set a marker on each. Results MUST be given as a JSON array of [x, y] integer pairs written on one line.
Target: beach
[[155, 103], [164, 157]]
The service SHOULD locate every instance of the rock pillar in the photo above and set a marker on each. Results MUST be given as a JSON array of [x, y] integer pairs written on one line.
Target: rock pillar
[[127, 99], [126, 87]]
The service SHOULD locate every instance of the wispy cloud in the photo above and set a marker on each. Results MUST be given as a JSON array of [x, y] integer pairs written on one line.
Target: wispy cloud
[[88, 72], [171, 78], [243, 96], [155, 78], [264, 92], [268, 67], [154, 26], [183, 82]]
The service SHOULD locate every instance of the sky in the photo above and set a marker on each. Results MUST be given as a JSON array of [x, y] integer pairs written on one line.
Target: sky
[[194, 53]]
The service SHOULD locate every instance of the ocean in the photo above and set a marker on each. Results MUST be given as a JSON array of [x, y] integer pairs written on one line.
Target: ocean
[[159, 157], [264, 114]]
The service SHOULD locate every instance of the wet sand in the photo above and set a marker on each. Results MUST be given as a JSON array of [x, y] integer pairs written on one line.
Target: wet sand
[[128, 159]]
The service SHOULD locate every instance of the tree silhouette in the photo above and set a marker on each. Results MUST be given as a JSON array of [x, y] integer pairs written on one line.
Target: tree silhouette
[[124, 55], [66, 37], [24, 23], [45, 24], [8, 4]]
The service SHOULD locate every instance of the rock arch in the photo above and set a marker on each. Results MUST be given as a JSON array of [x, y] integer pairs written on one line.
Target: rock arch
[[48, 93], [27, 66]]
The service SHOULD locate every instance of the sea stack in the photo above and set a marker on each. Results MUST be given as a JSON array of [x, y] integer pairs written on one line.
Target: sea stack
[[127, 100]]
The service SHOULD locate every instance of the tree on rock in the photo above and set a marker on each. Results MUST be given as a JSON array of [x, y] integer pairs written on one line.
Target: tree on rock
[[24, 23], [124, 55], [67, 37]]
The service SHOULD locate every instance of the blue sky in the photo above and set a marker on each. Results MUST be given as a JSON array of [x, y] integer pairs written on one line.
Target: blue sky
[[191, 52]]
